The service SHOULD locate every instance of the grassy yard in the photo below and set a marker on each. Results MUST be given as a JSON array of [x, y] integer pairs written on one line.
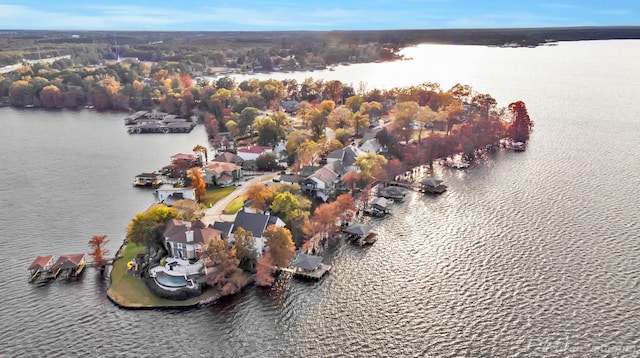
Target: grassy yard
[[213, 195], [234, 206], [130, 291]]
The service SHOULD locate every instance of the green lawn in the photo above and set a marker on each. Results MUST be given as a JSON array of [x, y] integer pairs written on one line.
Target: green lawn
[[213, 195], [234, 206], [130, 291]]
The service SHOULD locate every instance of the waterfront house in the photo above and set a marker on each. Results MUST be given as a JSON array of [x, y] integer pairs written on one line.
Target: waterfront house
[[190, 158], [168, 194], [186, 240], [228, 157], [326, 181], [255, 223], [346, 155], [252, 152], [221, 173]]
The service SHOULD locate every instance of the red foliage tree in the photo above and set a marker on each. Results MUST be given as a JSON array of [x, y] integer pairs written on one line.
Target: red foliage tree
[[521, 126], [264, 271], [98, 251]]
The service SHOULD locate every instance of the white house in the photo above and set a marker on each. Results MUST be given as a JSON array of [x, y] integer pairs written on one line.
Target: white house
[[252, 152], [167, 191], [256, 224]]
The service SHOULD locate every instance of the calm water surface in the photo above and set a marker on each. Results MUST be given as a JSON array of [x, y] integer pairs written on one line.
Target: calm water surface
[[527, 254]]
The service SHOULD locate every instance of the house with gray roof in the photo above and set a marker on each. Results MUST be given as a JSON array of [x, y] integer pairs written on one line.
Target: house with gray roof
[[255, 223], [347, 155]]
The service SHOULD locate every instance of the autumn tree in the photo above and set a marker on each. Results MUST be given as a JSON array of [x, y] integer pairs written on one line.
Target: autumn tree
[[406, 113], [98, 252], [370, 165], [198, 183], [340, 118], [521, 126], [354, 103], [308, 152], [345, 207], [272, 91], [145, 227], [202, 149], [264, 271], [224, 273], [359, 120], [50, 96], [260, 195], [267, 130], [279, 245], [246, 118], [245, 244]]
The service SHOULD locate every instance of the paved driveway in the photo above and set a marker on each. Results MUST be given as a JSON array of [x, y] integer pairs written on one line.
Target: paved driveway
[[214, 213]]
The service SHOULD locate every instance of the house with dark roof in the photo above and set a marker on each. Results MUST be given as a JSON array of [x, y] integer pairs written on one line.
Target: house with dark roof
[[256, 224], [290, 107], [186, 240]]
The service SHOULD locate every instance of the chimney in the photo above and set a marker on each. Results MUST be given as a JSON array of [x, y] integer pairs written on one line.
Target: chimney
[[189, 235]]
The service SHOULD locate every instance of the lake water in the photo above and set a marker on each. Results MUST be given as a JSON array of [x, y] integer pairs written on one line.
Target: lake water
[[529, 254]]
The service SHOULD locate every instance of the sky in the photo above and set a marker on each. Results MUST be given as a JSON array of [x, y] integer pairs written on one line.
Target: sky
[[292, 15]]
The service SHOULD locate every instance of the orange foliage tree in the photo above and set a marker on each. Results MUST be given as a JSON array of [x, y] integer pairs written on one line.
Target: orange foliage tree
[[264, 271], [279, 245], [198, 183], [98, 251], [260, 195]]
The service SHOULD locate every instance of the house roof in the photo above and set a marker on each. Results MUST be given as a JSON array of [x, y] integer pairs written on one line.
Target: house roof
[[68, 261], [256, 223], [228, 157], [171, 188], [224, 177], [307, 262], [183, 156], [431, 182], [41, 262], [176, 231], [347, 154], [381, 202], [224, 227], [219, 167], [148, 175], [308, 170], [370, 146], [358, 229], [325, 174], [255, 149]]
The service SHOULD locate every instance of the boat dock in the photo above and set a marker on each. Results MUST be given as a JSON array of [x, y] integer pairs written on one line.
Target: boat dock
[[43, 269], [307, 267]]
